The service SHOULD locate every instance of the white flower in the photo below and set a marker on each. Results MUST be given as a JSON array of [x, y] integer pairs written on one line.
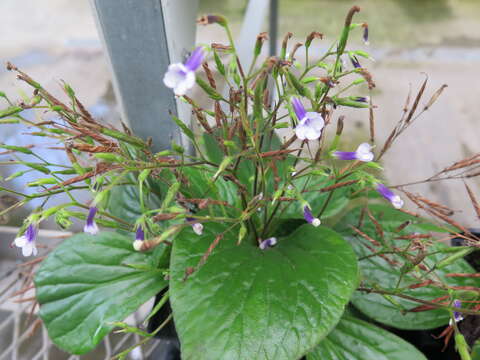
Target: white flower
[[27, 241], [310, 127], [181, 77], [197, 228], [364, 152], [268, 243], [388, 194], [310, 123]]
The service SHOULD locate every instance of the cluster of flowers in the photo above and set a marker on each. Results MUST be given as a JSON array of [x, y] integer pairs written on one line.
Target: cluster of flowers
[[181, 77]]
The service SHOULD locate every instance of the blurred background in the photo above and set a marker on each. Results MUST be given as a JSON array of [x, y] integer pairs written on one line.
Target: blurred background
[[58, 40]]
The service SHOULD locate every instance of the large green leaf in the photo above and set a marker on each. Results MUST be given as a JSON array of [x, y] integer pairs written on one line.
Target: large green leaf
[[124, 200], [245, 303], [356, 339], [86, 283], [376, 271]]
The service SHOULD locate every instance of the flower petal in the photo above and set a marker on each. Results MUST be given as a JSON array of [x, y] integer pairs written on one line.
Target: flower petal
[[185, 84], [312, 134], [91, 229], [195, 59], [300, 131], [268, 243], [345, 155], [397, 202], [298, 108], [175, 74], [140, 235], [27, 249], [20, 241], [364, 152], [197, 228], [315, 120]]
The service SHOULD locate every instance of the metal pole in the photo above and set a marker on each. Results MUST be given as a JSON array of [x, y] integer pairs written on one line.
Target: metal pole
[[138, 37], [273, 26]]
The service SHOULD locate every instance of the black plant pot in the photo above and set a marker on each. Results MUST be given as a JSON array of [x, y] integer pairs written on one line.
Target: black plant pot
[[169, 347]]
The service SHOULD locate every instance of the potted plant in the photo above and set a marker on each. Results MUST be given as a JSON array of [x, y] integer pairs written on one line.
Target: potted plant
[[265, 246]]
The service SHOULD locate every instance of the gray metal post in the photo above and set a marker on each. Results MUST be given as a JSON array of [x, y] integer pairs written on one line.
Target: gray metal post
[[273, 26], [138, 48]]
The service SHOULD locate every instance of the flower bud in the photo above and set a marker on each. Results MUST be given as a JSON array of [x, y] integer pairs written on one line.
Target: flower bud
[[212, 19]]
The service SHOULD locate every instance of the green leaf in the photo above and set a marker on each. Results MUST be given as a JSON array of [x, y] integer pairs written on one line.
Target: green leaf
[[246, 170], [85, 284], [356, 339], [245, 303], [186, 130], [316, 199], [377, 272], [124, 200], [218, 63], [200, 185]]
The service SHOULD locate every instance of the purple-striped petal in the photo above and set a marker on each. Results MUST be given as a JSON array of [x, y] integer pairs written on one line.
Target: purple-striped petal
[[31, 233], [268, 243], [299, 109], [355, 62], [307, 214], [139, 239], [457, 316], [345, 155], [195, 59], [388, 194], [363, 153], [90, 225], [140, 235], [363, 99]]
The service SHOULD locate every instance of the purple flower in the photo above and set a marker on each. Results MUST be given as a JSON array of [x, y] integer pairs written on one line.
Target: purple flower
[[268, 243], [140, 235], [363, 153], [355, 62], [27, 241], [388, 194], [365, 33], [363, 99], [91, 226], [139, 238], [196, 226], [307, 214], [181, 77], [310, 123], [457, 316]]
